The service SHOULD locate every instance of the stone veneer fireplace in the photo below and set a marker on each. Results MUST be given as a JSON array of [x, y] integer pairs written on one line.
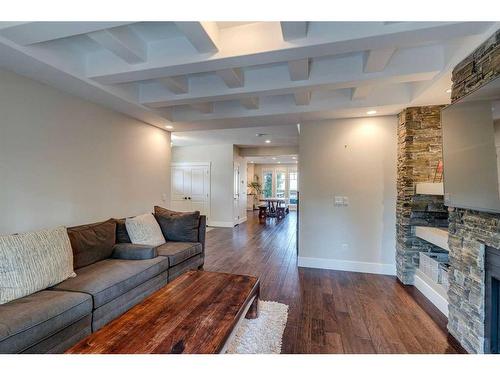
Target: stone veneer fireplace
[[472, 232], [471, 318], [420, 149], [492, 321]]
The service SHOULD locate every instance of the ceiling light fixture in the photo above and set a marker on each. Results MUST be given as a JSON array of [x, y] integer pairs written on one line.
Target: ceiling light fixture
[[448, 91], [372, 112], [268, 141], [294, 157], [169, 127], [274, 158]]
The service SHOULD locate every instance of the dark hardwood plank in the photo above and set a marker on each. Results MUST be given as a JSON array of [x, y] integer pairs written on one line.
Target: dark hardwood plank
[[329, 311]]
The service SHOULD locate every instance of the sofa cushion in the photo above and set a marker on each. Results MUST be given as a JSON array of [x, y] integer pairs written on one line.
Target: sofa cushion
[[92, 242], [178, 226], [178, 252], [144, 230], [29, 320], [132, 251], [121, 232], [110, 278], [30, 262]]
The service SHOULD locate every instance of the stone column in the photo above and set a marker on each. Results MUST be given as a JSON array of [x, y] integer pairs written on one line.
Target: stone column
[[419, 152]]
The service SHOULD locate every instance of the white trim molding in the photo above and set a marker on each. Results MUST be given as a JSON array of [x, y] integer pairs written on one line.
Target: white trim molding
[[424, 285], [220, 224], [347, 265], [241, 220]]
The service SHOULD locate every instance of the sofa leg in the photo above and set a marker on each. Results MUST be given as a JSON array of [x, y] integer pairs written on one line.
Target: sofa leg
[[200, 267]]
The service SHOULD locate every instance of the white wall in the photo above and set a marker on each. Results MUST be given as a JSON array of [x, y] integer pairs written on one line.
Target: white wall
[[221, 177], [354, 158], [66, 161]]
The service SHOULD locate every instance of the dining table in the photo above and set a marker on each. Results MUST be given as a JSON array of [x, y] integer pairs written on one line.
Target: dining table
[[272, 204]]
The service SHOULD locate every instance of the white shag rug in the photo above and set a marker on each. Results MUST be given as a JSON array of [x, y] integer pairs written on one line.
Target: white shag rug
[[262, 335]]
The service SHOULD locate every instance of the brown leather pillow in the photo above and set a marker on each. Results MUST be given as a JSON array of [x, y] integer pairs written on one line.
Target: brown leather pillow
[[178, 226], [92, 242]]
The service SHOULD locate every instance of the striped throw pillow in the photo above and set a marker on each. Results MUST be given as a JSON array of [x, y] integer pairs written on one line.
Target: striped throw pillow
[[33, 261]]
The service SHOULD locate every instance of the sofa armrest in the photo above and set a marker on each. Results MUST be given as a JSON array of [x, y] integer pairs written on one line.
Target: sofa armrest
[[202, 229], [131, 251]]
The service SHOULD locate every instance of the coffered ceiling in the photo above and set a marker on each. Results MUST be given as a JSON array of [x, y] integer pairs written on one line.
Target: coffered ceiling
[[215, 75]]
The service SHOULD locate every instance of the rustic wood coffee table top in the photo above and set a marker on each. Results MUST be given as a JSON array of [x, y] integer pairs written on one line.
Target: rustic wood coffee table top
[[196, 313]]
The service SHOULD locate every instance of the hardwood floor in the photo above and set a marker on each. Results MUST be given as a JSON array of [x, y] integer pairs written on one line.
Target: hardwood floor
[[329, 311]]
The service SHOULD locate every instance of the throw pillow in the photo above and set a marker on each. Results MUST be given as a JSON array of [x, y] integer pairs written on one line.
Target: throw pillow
[[144, 230], [121, 232], [92, 242], [30, 262], [178, 226]]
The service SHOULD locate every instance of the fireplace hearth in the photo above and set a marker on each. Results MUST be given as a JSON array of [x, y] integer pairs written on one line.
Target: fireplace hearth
[[492, 295]]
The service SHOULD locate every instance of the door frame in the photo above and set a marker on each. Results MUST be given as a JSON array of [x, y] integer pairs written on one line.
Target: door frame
[[195, 164]]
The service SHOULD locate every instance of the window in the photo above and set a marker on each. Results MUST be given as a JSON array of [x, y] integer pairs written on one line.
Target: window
[[267, 186], [280, 183], [292, 187]]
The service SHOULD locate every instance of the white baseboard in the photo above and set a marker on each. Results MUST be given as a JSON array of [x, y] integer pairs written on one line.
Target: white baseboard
[[221, 224], [432, 295], [241, 220], [347, 265]]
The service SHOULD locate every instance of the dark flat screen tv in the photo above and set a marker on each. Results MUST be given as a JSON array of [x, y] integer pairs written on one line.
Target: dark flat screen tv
[[471, 150]]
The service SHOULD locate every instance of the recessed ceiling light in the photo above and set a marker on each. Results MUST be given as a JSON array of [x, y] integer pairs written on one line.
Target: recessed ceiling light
[[279, 162], [274, 158], [169, 127], [268, 141], [294, 157], [448, 91], [372, 112]]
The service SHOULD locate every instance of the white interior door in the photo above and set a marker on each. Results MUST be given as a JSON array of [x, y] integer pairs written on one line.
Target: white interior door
[[199, 189], [190, 187], [180, 184]]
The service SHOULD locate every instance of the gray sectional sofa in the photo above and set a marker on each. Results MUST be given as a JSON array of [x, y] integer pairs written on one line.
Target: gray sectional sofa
[[113, 275]]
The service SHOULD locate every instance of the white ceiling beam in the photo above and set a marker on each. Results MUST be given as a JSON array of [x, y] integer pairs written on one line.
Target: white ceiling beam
[[26, 33], [299, 69], [178, 85], [123, 42], [376, 60], [202, 35], [361, 92], [331, 103], [294, 30], [203, 107], [328, 74], [250, 103], [302, 97], [242, 51], [232, 77]]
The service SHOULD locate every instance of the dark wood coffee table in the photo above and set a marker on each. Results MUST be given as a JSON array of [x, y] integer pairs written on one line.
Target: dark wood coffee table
[[196, 313]]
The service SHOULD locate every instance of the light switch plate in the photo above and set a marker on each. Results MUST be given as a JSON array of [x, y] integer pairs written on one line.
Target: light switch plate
[[346, 201], [339, 201]]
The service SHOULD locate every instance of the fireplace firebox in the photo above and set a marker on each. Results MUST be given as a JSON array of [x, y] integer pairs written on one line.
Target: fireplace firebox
[[492, 305]]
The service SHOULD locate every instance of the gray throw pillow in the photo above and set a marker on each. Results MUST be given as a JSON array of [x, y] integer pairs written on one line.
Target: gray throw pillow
[[178, 226], [92, 242]]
